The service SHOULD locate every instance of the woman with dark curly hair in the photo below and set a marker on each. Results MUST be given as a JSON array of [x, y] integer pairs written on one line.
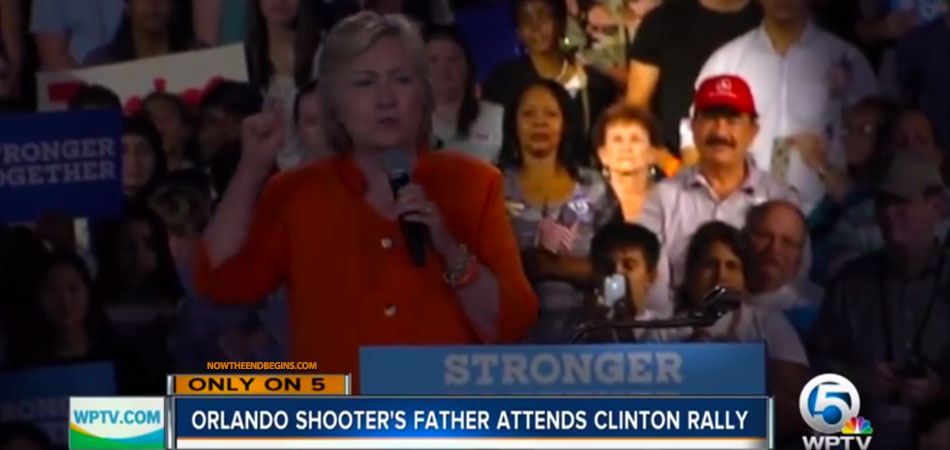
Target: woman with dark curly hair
[[554, 204]]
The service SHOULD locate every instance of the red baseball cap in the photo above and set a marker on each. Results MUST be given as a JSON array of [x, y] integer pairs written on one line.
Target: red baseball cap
[[725, 91]]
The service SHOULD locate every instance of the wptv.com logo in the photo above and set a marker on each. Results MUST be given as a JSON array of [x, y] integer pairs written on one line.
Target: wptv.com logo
[[104, 423], [829, 404]]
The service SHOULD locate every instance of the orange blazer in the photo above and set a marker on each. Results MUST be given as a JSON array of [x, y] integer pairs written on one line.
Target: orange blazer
[[349, 278]]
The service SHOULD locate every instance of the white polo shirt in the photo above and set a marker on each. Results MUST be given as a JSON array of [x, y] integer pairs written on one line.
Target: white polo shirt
[[794, 93]]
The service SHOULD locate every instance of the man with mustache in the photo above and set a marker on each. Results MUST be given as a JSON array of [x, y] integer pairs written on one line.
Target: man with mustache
[[805, 77], [778, 236], [723, 185]]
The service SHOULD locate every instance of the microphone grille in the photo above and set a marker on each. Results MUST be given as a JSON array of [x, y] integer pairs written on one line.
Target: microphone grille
[[396, 160]]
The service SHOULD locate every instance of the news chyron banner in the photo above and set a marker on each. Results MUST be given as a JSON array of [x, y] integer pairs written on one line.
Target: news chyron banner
[[621, 396], [471, 422]]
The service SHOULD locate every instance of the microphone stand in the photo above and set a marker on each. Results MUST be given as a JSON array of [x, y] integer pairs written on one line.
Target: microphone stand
[[719, 301], [697, 320]]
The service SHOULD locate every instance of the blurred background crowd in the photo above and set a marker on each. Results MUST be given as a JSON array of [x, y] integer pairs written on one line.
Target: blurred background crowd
[[825, 166]]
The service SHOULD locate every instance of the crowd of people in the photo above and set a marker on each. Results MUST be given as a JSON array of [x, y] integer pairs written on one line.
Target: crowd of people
[[790, 151]]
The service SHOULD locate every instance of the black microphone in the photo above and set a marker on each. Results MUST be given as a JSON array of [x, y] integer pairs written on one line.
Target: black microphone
[[716, 303], [415, 234]]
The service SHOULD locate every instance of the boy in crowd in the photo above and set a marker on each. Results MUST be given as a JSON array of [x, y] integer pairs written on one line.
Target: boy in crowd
[[624, 257]]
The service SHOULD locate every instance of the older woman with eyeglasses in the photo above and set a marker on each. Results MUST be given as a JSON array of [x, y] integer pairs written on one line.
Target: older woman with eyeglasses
[[331, 231]]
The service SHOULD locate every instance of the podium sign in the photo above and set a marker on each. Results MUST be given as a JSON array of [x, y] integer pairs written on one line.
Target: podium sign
[[607, 369]]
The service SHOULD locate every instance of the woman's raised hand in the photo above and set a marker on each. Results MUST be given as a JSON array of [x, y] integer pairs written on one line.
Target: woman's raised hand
[[262, 136]]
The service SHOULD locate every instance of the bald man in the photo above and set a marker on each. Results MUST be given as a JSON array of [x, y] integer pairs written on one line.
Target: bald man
[[778, 238]]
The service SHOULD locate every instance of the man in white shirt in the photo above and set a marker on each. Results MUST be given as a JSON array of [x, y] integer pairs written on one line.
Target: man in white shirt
[[802, 78]]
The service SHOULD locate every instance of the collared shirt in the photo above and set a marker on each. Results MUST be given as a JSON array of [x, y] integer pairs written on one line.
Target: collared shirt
[[349, 279], [795, 93], [677, 207]]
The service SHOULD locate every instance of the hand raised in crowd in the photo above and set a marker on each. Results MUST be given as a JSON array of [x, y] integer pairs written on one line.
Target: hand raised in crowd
[[262, 136], [920, 391], [414, 206], [813, 148]]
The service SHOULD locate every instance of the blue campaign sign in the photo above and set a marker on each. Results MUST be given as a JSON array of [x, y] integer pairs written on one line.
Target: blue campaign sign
[[618, 369], [472, 417], [63, 162], [41, 395]]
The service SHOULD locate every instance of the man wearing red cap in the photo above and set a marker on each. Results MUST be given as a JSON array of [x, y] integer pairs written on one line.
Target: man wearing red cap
[[722, 186], [803, 78]]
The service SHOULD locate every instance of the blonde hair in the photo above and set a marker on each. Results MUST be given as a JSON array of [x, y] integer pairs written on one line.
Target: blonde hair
[[349, 39]]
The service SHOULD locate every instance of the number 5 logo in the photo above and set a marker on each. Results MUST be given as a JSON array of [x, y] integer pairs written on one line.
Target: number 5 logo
[[826, 386]]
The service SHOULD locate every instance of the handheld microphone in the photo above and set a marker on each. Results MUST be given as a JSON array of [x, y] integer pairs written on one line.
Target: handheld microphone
[[415, 234]]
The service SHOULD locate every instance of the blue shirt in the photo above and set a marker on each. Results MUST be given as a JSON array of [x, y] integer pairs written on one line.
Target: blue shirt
[[87, 24]]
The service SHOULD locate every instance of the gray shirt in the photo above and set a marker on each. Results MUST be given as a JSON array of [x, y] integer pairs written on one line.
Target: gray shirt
[[677, 207]]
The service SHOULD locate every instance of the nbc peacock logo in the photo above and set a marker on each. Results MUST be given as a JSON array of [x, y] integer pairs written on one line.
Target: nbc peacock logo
[[105, 423], [857, 425]]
